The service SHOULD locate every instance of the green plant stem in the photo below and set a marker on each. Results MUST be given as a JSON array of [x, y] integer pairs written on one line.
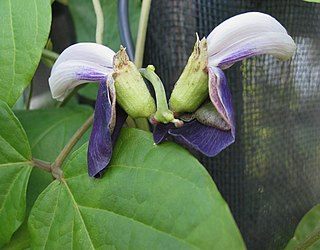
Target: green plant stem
[[49, 54], [163, 114], [41, 164], [74, 139], [29, 95], [142, 31], [100, 21], [308, 242]]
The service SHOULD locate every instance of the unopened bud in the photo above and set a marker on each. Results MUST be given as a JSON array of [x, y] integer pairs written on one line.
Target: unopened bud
[[131, 91], [191, 89], [208, 115]]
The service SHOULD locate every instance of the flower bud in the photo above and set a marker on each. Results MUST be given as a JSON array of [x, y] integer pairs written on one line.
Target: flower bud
[[208, 115], [131, 91], [191, 89]]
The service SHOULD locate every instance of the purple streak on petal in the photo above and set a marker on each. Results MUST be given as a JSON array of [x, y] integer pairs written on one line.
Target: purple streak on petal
[[160, 132], [89, 74], [220, 95], [236, 57], [100, 143], [207, 140]]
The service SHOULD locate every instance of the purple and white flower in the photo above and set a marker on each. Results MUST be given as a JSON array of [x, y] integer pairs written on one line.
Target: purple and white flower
[[235, 39], [90, 62]]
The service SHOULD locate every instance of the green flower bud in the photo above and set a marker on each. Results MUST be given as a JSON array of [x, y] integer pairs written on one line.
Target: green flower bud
[[208, 115], [131, 91], [191, 89]]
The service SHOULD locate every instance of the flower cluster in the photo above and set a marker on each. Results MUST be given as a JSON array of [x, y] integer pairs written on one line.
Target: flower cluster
[[200, 113]]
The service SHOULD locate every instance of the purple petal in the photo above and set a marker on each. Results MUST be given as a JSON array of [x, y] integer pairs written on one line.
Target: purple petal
[[161, 132], [100, 143], [220, 96], [209, 141], [120, 120]]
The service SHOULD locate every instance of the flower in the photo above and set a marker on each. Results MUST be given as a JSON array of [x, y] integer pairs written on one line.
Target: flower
[[120, 83], [210, 128]]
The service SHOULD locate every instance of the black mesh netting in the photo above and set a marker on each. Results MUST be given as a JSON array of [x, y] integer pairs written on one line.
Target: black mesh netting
[[270, 177]]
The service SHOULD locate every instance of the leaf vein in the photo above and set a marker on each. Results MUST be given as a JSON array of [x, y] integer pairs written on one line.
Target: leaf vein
[[14, 49], [10, 189], [141, 223], [44, 133], [79, 213], [155, 170], [9, 145]]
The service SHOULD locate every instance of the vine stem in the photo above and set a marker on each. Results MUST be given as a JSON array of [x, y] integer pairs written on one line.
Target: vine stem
[[74, 139], [142, 31], [41, 164], [29, 95], [50, 54], [100, 21], [308, 242]]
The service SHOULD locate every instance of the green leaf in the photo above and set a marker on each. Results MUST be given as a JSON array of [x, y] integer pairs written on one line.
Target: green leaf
[[20, 239], [151, 197], [43, 127], [24, 29], [307, 234], [85, 21], [89, 92], [48, 131], [312, 1], [15, 168]]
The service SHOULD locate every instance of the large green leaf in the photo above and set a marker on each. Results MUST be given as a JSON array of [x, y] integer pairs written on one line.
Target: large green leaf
[[15, 168], [85, 20], [151, 197], [307, 234], [24, 27]]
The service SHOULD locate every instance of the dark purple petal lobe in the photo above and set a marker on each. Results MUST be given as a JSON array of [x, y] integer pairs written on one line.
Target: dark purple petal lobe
[[209, 141], [120, 120], [161, 132], [100, 143]]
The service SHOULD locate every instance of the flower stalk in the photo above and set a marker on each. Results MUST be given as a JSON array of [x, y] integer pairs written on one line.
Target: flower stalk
[[163, 114]]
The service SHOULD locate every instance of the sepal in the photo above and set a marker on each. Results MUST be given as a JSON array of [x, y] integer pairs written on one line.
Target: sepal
[[131, 91]]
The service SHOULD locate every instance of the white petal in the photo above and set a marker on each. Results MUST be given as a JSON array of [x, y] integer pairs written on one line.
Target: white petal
[[71, 73], [79, 63], [247, 35]]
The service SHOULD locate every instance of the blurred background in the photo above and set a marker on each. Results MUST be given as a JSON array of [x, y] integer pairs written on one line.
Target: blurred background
[[270, 176]]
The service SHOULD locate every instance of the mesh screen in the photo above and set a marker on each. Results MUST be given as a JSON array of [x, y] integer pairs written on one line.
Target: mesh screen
[[270, 176]]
